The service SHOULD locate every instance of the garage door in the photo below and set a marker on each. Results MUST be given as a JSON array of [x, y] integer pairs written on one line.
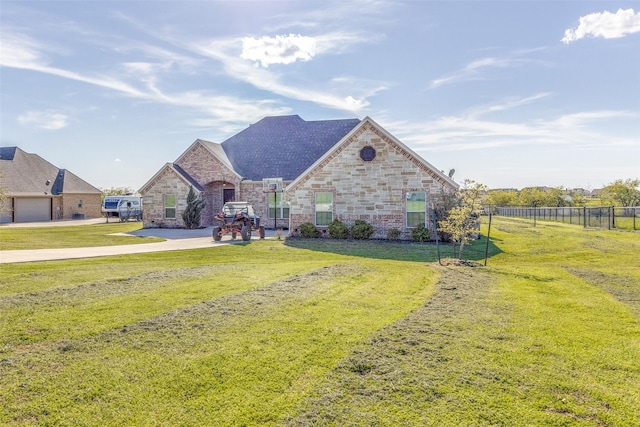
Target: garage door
[[30, 210]]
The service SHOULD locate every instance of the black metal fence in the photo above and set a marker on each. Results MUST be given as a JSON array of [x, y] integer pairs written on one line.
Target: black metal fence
[[627, 218]]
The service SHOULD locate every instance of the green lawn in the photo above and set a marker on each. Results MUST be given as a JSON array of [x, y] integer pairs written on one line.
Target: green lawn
[[317, 332], [76, 236]]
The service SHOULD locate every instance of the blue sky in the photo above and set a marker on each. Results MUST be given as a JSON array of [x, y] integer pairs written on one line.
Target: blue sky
[[507, 93]]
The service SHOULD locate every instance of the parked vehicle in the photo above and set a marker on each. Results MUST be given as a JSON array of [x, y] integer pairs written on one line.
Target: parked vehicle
[[123, 207], [237, 217]]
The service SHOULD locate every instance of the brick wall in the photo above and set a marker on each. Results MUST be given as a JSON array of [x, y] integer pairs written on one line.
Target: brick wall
[[87, 205], [253, 192], [213, 175]]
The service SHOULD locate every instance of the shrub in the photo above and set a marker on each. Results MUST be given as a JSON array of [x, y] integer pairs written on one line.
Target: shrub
[[393, 233], [338, 230], [361, 230], [309, 230], [420, 234], [192, 214]]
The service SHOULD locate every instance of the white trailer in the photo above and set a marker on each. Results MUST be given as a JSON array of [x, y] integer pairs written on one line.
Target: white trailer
[[123, 207]]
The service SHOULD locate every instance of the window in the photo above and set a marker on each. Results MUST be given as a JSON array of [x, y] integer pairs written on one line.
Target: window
[[80, 203], [368, 153], [324, 208], [416, 208], [170, 206], [278, 209]]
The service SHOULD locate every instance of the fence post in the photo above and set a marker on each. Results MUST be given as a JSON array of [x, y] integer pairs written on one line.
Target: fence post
[[613, 216], [584, 216]]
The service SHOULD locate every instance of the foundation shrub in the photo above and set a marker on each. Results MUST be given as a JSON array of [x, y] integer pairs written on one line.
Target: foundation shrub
[[420, 234], [338, 230], [361, 230], [309, 230]]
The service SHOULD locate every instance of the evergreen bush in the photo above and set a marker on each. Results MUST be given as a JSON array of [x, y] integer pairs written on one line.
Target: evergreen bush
[[361, 230], [192, 214], [420, 234], [393, 233], [309, 230], [338, 230]]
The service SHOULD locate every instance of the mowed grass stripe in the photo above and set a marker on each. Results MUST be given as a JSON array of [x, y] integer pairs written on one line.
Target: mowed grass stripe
[[421, 370], [241, 359], [487, 352], [20, 278], [88, 308], [75, 236]]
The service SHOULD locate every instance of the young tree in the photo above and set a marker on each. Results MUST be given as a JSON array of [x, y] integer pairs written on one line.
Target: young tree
[[623, 192], [461, 223], [192, 214]]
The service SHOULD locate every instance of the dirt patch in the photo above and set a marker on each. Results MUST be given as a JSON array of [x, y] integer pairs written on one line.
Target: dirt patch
[[455, 262]]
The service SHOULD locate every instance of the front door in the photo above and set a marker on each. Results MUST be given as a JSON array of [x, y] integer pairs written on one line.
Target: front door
[[228, 195]]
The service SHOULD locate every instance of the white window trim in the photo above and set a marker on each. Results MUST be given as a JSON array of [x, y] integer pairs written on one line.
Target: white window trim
[[174, 207], [316, 211], [407, 211], [278, 208]]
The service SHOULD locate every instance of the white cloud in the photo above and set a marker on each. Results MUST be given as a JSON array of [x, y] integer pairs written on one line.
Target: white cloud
[[581, 130], [472, 70], [606, 25], [261, 78], [279, 49], [47, 120]]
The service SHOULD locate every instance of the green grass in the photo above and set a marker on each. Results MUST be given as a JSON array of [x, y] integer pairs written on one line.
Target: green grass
[[319, 332], [17, 238]]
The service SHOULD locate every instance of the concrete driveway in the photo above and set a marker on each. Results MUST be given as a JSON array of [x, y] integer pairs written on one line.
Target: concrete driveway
[[176, 240]]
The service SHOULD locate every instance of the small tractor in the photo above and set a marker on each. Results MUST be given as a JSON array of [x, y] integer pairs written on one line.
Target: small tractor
[[237, 217]]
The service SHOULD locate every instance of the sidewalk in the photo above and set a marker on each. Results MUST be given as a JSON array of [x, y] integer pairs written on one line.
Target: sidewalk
[[176, 240]]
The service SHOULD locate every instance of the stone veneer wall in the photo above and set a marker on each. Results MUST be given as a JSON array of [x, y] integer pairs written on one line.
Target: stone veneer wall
[[167, 182], [373, 191]]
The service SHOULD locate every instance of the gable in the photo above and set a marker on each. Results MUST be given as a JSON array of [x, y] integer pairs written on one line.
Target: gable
[[205, 162], [393, 161], [170, 172], [283, 147]]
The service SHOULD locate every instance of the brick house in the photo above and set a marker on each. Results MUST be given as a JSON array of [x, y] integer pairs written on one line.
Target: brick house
[[36, 190], [331, 169]]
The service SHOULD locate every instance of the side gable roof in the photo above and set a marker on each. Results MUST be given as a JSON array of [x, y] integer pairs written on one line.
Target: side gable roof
[[27, 174], [392, 140], [283, 146], [181, 173]]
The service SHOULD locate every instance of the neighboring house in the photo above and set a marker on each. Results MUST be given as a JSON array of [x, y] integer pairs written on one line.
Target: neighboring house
[[323, 170], [36, 190]]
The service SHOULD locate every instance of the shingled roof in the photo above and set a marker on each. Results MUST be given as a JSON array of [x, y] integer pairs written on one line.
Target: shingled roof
[[283, 146], [28, 174]]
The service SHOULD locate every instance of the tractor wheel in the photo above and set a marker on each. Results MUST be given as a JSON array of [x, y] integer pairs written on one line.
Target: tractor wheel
[[246, 233], [216, 234]]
